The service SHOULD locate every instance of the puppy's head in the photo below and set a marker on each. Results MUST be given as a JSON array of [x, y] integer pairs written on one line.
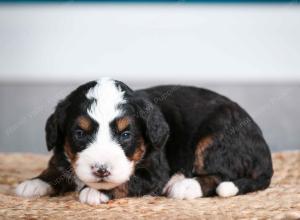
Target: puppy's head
[[104, 129]]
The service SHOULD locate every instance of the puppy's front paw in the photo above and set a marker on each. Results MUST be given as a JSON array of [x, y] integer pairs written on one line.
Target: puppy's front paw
[[33, 188], [92, 196]]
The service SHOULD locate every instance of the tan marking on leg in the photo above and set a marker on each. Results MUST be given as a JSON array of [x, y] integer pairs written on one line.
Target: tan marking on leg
[[208, 184], [201, 147], [122, 123], [120, 191]]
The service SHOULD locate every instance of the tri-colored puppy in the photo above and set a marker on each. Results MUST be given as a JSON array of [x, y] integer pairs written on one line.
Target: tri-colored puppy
[[109, 142]]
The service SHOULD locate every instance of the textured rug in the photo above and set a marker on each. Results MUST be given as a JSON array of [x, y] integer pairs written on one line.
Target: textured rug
[[280, 201]]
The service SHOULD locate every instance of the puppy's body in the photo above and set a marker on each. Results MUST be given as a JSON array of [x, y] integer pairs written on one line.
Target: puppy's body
[[212, 139], [182, 142]]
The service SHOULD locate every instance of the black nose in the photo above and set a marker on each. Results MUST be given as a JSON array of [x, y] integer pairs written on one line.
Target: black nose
[[101, 171]]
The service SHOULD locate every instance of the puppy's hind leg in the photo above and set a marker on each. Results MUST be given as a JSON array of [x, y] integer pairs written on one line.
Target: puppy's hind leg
[[179, 187]]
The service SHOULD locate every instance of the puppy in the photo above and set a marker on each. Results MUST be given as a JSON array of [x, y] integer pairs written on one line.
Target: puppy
[[110, 142]]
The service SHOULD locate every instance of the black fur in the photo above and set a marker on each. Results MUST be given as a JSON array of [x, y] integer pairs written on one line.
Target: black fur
[[238, 153], [153, 121], [173, 120]]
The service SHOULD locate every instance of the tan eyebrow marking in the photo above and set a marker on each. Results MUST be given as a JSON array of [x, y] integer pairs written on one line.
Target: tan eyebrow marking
[[122, 123], [84, 123]]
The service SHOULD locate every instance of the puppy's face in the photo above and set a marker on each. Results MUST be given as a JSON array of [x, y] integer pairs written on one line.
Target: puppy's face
[[100, 132]]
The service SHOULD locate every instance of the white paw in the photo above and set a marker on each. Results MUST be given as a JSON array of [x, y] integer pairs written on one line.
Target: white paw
[[227, 189], [92, 196], [175, 178], [183, 188], [33, 188]]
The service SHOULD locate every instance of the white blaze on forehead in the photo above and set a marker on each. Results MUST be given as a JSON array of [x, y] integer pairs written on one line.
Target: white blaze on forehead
[[107, 98]]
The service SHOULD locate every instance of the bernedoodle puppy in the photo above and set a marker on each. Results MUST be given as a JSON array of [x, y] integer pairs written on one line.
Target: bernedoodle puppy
[[182, 142]]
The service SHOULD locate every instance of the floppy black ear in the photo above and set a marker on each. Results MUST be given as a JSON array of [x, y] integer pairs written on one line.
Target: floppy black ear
[[54, 127], [157, 129]]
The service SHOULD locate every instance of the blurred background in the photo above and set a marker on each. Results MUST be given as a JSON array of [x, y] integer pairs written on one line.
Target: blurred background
[[246, 50]]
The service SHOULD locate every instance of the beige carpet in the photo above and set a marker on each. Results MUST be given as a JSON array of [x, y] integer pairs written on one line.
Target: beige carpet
[[280, 201]]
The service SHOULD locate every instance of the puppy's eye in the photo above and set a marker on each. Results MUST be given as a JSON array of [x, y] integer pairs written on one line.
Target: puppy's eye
[[126, 135], [79, 134]]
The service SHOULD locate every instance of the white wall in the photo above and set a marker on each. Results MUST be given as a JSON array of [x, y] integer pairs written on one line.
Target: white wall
[[212, 43]]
